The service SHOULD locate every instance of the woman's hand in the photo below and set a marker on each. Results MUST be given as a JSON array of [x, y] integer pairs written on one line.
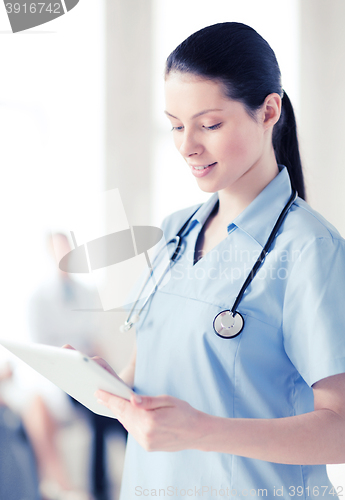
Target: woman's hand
[[161, 423], [165, 423]]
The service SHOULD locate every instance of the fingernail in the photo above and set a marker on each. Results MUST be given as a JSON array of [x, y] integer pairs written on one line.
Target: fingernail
[[101, 402], [137, 398]]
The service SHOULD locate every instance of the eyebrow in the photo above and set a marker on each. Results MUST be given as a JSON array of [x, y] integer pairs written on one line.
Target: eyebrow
[[197, 114]]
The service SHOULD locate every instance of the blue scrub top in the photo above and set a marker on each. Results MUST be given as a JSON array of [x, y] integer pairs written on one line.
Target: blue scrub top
[[293, 336]]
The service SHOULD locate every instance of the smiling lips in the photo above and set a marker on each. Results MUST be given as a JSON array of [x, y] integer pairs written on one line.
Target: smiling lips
[[201, 170]]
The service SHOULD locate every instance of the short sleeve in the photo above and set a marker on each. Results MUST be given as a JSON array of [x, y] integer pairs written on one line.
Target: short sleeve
[[314, 310]]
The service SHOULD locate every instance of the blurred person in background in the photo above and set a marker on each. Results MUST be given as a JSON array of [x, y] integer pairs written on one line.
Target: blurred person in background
[[18, 468], [60, 312]]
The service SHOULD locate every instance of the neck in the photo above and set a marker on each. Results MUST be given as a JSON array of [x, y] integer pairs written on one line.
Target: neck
[[234, 199]]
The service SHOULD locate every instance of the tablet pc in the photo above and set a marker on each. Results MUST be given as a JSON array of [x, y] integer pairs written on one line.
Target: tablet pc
[[72, 371]]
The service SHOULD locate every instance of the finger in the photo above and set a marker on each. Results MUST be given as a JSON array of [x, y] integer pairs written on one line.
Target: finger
[[116, 404], [150, 402], [67, 346], [102, 395], [144, 402]]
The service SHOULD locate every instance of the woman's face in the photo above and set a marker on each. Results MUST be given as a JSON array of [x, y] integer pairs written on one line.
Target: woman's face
[[213, 131]]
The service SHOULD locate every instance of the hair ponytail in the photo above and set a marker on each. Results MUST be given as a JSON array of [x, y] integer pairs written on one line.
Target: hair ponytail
[[285, 144], [236, 56]]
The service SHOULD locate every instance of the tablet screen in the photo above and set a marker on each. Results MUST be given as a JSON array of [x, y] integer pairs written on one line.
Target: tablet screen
[[72, 371]]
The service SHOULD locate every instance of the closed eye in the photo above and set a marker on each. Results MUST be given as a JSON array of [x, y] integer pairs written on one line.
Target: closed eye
[[214, 127]]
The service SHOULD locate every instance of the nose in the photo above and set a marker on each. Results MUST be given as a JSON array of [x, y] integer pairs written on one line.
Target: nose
[[189, 145]]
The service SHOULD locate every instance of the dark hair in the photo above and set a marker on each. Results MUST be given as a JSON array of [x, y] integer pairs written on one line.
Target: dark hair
[[240, 59]]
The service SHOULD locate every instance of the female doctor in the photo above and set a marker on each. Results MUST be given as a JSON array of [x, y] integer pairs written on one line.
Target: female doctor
[[257, 413]]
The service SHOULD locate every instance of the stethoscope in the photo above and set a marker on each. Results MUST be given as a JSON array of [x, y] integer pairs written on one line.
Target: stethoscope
[[229, 323]]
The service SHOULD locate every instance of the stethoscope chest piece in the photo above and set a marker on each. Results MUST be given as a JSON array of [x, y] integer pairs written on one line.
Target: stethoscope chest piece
[[228, 325]]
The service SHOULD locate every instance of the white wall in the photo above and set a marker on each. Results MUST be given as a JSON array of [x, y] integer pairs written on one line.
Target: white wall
[[51, 133], [323, 106]]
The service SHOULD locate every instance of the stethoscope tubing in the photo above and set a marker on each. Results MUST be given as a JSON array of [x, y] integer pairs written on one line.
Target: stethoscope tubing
[[168, 266], [264, 251], [128, 323], [229, 323]]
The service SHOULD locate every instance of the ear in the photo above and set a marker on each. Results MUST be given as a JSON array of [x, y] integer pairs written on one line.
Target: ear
[[271, 110]]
